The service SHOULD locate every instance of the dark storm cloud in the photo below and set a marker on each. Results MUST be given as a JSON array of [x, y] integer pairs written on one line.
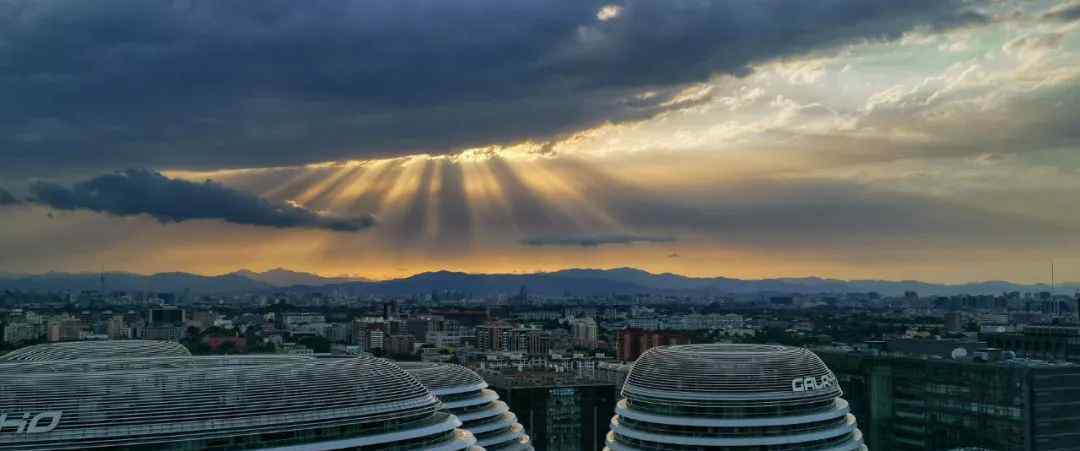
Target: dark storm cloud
[[116, 83], [593, 241], [6, 198], [137, 191]]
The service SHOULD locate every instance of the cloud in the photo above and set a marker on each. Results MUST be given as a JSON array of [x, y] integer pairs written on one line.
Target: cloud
[[594, 240], [1026, 47], [267, 83], [1065, 12], [608, 12], [6, 198], [140, 191]]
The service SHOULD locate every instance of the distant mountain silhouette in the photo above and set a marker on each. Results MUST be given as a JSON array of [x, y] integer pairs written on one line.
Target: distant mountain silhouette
[[121, 281], [586, 282], [281, 277], [574, 282]]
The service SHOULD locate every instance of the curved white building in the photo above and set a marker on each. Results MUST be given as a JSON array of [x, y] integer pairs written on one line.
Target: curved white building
[[103, 349], [216, 403], [732, 397], [465, 394]]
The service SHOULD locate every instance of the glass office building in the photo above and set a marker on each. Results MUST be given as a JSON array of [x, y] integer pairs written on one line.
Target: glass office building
[[914, 403], [732, 397]]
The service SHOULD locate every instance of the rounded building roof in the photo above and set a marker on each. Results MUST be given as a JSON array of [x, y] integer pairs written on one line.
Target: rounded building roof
[[732, 396], [730, 371], [143, 401], [104, 349], [444, 378], [464, 394]]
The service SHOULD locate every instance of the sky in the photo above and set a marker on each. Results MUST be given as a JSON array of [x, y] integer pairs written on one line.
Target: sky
[[889, 139]]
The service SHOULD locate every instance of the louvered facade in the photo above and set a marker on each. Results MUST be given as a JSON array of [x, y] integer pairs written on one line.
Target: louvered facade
[[732, 397]]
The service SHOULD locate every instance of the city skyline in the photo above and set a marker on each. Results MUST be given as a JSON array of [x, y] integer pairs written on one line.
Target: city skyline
[[924, 140]]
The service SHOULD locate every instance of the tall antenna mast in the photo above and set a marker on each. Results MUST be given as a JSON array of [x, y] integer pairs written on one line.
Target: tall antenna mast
[[1051, 276]]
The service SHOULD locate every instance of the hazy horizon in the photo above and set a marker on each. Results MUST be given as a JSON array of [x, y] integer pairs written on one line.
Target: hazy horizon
[[362, 277]]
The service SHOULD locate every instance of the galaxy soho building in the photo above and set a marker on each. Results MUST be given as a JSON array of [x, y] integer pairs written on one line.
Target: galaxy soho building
[[732, 397], [97, 350], [466, 395], [182, 402]]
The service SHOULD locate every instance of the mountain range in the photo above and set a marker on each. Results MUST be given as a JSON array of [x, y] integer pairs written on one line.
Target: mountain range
[[280, 277], [573, 282]]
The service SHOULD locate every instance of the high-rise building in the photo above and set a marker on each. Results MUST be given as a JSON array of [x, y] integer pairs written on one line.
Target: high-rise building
[[66, 329], [562, 411], [390, 310], [20, 332], [529, 341], [221, 402], [420, 326], [494, 336], [166, 315], [466, 395], [631, 343], [915, 403], [117, 328], [400, 344], [166, 323], [376, 340], [725, 396], [954, 321], [368, 335], [585, 332]]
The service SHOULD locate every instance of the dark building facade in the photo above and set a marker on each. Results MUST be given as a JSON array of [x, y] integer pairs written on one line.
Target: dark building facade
[[560, 413], [930, 404], [1040, 342], [166, 315]]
